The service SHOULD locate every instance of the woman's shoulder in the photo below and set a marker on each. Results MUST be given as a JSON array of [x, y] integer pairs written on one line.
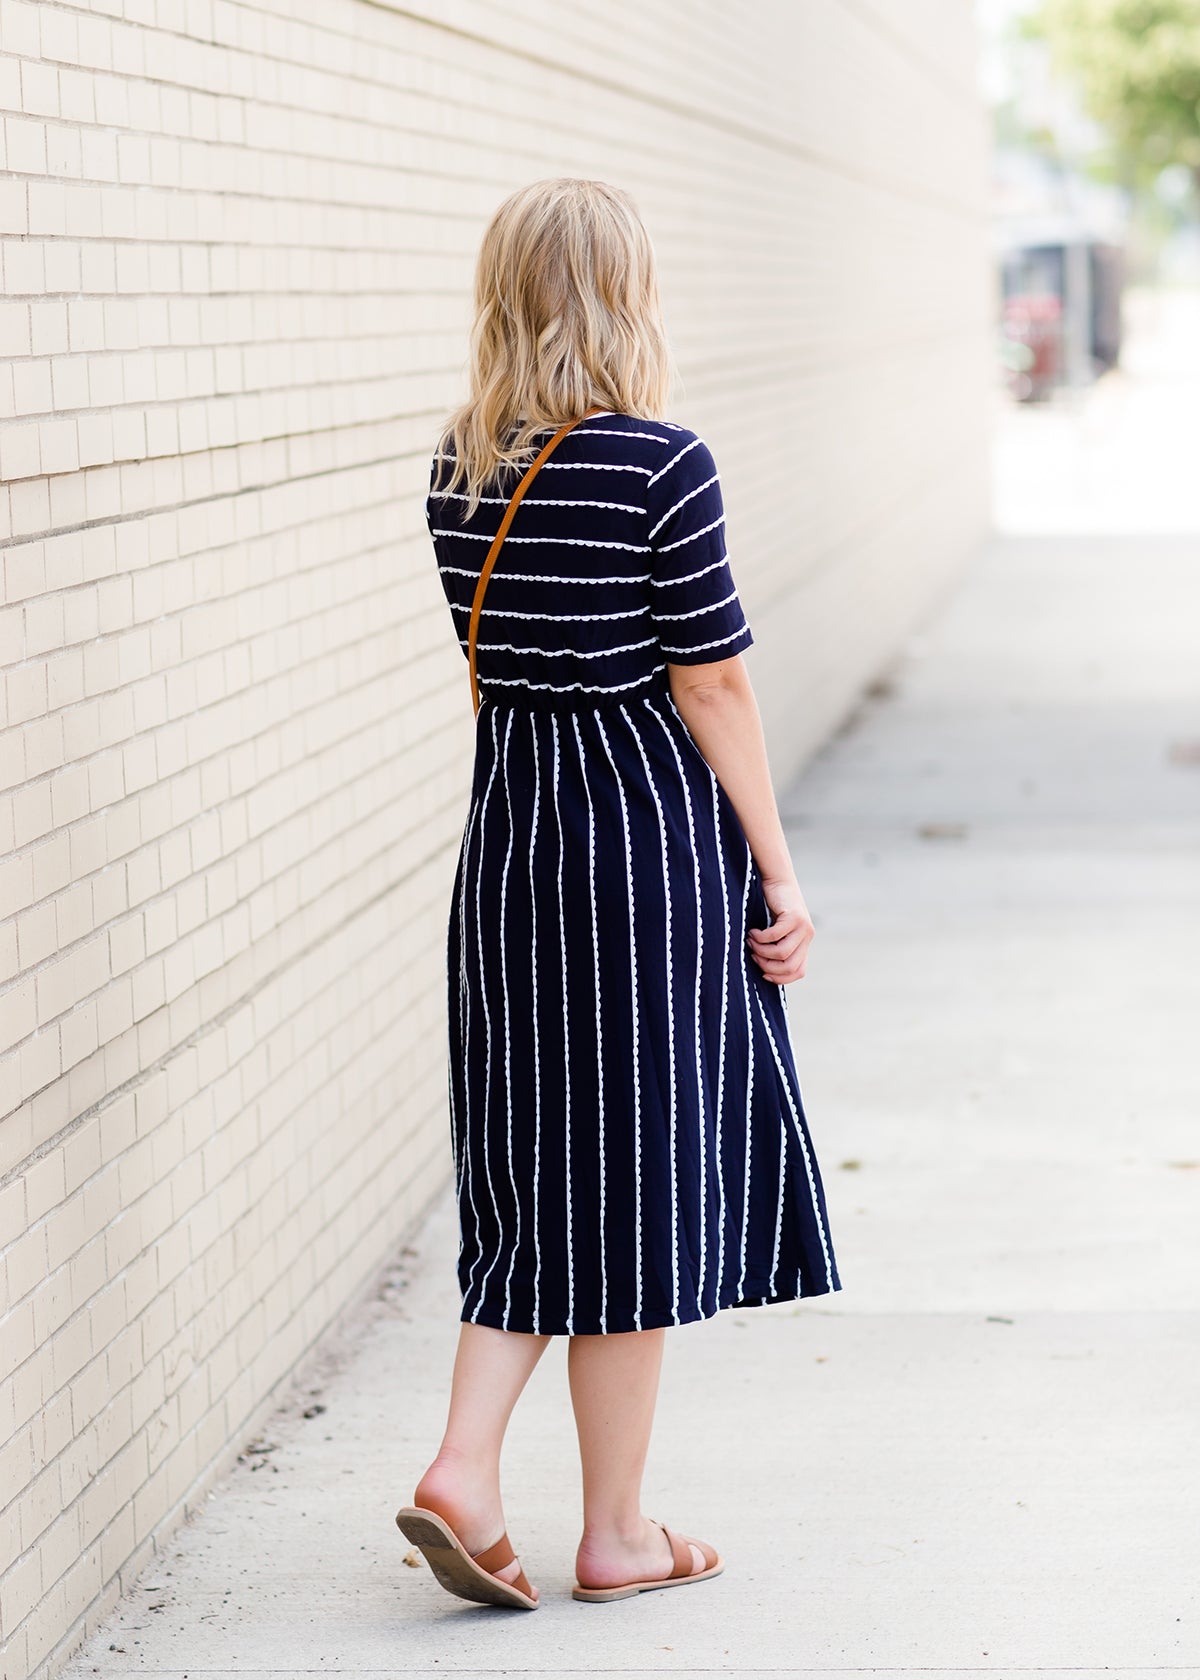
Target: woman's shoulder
[[657, 444], [663, 432]]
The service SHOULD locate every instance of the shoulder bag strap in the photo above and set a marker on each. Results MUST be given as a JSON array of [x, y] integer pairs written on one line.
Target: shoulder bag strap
[[493, 551]]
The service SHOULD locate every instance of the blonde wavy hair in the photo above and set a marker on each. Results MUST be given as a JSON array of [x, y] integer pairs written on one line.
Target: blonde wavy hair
[[567, 318]]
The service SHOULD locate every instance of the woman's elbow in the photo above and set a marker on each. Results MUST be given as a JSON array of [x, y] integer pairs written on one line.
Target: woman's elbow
[[710, 683]]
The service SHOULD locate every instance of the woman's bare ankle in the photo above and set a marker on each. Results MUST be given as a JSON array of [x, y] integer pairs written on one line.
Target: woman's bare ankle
[[621, 1549], [466, 1495], [621, 1529]]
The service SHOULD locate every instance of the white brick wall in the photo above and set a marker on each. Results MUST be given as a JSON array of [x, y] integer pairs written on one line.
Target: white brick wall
[[234, 284]]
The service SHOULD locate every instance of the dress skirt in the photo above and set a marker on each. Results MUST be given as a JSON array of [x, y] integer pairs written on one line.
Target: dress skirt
[[630, 1145]]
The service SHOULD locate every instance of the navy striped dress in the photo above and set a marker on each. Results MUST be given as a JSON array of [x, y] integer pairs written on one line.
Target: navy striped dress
[[629, 1141]]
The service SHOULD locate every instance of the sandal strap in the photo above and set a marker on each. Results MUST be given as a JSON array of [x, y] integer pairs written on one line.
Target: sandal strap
[[497, 1557], [707, 1552], [681, 1554]]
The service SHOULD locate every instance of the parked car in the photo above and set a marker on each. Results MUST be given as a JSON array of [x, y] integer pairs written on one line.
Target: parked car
[[1031, 345]]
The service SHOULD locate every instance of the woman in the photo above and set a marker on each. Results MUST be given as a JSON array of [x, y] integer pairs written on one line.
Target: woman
[[630, 1144]]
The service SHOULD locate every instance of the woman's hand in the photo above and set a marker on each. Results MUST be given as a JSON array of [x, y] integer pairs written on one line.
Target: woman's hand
[[781, 950], [718, 707]]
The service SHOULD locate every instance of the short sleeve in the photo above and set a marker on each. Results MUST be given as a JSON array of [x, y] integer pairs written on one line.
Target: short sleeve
[[440, 467], [694, 602]]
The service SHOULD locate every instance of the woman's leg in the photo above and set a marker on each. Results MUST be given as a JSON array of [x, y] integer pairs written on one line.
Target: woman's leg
[[463, 1483], [614, 1386]]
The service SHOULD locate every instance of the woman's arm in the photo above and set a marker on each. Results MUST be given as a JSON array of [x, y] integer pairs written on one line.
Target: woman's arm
[[717, 704]]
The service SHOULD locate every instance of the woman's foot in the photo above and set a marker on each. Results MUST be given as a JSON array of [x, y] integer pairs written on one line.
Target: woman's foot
[[475, 1514], [611, 1559]]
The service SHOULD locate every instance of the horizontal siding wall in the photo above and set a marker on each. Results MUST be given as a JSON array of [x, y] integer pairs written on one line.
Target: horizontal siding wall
[[234, 752]]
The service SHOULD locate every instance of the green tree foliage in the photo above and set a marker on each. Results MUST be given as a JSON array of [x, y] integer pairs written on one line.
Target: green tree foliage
[[1138, 66]]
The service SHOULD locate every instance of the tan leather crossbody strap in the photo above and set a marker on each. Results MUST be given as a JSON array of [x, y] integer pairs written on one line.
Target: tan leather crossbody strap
[[493, 551]]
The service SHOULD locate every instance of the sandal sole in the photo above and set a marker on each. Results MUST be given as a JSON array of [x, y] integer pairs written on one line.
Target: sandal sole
[[453, 1565], [605, 1595]]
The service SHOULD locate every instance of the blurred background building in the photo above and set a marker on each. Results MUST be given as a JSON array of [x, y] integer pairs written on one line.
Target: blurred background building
[[237, 258], [1060, 236], [1096, 173]]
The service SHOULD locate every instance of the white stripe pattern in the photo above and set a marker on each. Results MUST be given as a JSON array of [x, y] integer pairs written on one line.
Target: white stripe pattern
[[601, 1162], [507, 1067], [464, 1022], [696, 612], [688, 577], [562, 926], [749, 1087], [633, 1032], [562, 618], [669, 1012], [799, 1130], [538, 577], [719, 1103], [702, 1211], [696, 490], [630, 1146], [537, 1065], [487, 1016], [574, 687], [694, 647], [545, 501], [693, 536], [779, 1207], [516, 1242], [588, 618], [594, 466], [558, 542], [608, 431], [568, 652], [696, 443]]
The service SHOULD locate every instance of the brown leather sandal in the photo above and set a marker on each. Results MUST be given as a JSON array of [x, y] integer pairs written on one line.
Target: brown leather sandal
[[460, 1572], [682, 1571]]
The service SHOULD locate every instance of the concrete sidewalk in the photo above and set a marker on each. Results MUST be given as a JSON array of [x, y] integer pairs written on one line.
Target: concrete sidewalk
[[980, 1456]]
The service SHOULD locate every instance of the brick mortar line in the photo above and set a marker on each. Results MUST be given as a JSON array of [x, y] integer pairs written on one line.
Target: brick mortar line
[[279, 249], [165, 894], [285, 1379], [336, 651], [316, 568], [770, 349], [704, 118], [372, 207], [171, 347], [160, 405], [100, 299], [310, 951], [766, 355], [198, 767], [263, 487], [214, 758], [766, 198], [222, 1466], [871, 357], [253, 56], [437, 1094], [434, 1077], [137, 624]]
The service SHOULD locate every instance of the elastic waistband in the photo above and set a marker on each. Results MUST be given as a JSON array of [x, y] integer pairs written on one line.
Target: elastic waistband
[[656, 687]]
